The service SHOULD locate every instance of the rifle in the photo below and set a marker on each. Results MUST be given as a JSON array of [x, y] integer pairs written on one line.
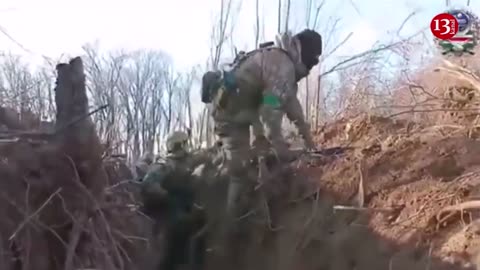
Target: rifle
[[331, 151]]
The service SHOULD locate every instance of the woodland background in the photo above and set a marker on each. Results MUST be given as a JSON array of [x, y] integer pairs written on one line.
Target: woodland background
[[147, 98]]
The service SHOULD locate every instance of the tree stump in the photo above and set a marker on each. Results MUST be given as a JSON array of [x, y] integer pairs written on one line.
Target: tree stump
[[79, 141]]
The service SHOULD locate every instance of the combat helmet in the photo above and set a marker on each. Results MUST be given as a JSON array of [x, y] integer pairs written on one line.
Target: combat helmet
[[177, 141]]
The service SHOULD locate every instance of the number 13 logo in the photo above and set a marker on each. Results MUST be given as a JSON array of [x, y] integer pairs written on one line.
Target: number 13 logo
[[444, 26]]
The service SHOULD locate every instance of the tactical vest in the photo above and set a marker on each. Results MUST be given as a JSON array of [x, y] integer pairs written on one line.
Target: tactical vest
[[221, 90], [175, 177]]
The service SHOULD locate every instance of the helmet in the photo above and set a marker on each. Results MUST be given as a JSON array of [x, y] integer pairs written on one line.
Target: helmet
[[177, 140]]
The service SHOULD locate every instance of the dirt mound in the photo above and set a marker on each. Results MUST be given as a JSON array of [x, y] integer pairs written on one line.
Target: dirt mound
[[305, 232], [401, 220], [414, 180], [64, 207], [53, 218]]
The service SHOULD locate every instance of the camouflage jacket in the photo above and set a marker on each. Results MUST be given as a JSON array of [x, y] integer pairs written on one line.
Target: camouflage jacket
[[142, 166], [267, 76], [169, 184]]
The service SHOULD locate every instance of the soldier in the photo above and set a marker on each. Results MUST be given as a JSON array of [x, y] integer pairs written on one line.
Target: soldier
[[168, 195], [142, 166], [265, 78], [304, 49]]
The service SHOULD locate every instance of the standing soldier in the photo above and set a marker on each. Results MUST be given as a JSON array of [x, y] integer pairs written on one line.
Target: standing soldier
[[264, 79], [168, 195]]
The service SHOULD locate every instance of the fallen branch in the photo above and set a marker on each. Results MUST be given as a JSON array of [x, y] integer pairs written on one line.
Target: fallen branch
[[16, 136], [432, 110], [355, 208], [73, 243], [453, 209], [78, 119], [360, 198], [97, 208], [460, 73], [360, 56], [27, 220]]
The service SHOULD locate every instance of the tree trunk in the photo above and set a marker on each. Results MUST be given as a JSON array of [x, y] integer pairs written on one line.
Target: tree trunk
[[79, 140], [317, 103], [307, 104]]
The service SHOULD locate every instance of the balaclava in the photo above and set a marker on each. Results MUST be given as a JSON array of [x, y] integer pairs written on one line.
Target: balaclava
[[292, 46], [311, 47]]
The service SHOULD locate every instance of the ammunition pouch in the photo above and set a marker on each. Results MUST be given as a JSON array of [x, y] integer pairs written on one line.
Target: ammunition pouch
[[217, 87], [210, 82], [222, 91], [220, 98]]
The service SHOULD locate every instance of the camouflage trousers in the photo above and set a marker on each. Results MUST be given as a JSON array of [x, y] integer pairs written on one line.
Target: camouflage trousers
[[235, 140], [272, 122], [180, 245]]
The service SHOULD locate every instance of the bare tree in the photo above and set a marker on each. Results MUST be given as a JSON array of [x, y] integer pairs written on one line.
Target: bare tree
[[103, 73], [220, 34], [25, 91], [279, 20], [287, 15], [147, 98], [257, 23]]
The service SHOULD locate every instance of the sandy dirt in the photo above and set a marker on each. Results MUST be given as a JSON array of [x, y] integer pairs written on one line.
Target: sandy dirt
[[407, 217]]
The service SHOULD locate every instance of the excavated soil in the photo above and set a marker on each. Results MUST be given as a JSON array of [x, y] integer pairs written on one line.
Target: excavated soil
[[405, 215], [402, 219], [410, 174], [413, 178]]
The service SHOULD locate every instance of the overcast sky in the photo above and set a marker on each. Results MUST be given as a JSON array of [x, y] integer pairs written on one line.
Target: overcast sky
[[182, 27]]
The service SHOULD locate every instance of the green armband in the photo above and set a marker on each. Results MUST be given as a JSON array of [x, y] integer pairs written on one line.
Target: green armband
[[271, 100]]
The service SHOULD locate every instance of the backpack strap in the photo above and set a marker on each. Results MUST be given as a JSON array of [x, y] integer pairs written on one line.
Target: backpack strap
[[242, 56]]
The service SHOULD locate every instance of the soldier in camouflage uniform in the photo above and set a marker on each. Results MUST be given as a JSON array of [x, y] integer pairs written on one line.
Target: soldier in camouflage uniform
[[168, 195], [304, 50], [142, 166], [265, 79]]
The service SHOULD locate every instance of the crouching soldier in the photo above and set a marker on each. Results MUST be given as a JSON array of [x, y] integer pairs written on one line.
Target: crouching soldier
[[168, 196], [303, 50]]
